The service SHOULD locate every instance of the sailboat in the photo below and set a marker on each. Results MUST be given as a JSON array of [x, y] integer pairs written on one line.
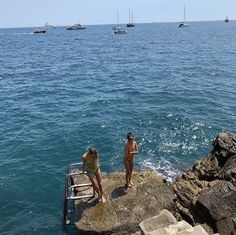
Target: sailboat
[[131, 20], [117, 28], [183, 23], [226, 19]]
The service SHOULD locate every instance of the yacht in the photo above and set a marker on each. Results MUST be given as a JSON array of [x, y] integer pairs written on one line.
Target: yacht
[[76, 27], [39, 30], [49, 26]]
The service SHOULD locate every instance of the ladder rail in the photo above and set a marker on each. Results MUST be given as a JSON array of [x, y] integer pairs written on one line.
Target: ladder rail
[[69, 191]]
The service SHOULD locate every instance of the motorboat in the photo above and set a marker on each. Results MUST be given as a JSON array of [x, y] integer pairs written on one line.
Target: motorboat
[[76, 27], [49, 26], [226, 19], [38, 30]]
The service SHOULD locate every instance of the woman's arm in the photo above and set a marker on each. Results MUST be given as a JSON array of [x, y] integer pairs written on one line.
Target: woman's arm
[[83, 158], [136, 148], [126, 150]]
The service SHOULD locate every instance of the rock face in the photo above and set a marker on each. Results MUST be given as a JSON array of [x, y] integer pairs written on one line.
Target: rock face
[[207, 193], [125, 207]]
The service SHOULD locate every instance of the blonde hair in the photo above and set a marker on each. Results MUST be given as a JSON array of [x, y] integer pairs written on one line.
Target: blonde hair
[[93, 152]]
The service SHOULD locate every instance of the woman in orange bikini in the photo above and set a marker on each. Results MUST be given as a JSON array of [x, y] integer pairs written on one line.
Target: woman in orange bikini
[[131, 148], [91, 163]]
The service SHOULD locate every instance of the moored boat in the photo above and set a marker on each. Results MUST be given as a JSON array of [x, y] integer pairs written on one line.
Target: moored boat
[[76, 27], [38, 30], [118, 29], [226, 19], [183, 23], [131, 20]]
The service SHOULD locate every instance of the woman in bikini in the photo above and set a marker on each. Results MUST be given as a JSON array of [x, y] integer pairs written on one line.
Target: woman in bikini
[[91, 164], [131, 148]]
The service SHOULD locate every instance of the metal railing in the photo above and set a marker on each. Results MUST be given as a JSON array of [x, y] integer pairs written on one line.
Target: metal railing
[[70, 193]]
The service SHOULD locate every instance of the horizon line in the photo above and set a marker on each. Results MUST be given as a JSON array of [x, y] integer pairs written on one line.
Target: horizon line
[[153, 22]]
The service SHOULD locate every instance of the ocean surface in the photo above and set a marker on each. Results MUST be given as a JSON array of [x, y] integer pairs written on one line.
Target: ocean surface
[[64, 91]]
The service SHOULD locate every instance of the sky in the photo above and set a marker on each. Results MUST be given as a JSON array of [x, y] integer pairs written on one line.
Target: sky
[[31, 13]]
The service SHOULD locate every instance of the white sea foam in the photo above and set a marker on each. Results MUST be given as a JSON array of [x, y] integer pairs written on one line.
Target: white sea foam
[[162, 167]]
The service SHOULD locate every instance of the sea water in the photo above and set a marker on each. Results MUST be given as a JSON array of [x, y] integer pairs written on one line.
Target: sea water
[[63, 91]]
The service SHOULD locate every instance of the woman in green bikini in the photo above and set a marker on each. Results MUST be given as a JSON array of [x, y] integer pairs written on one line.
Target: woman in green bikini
[[91, 164]]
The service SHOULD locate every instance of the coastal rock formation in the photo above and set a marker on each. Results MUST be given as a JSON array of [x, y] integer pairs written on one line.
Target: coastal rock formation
[[204, 197], [125, 207], [207, 193]]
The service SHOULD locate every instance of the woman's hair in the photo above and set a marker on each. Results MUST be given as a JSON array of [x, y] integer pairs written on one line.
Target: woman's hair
[[130, 136], [93, 151]]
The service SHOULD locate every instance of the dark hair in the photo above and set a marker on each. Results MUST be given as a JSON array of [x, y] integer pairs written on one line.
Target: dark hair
[[130, 136]]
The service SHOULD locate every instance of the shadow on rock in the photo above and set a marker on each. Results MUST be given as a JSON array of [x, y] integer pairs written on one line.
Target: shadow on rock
[[119, 192]]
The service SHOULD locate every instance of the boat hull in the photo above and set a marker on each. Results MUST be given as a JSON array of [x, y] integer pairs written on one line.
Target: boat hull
[[76, 28], [130, 25], [182, 25], [39, 31], [120, 32]]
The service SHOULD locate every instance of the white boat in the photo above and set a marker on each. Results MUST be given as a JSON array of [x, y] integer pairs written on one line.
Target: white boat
[[183, 23], [118, 29], [49, 26], [76, 27], [131, 19]]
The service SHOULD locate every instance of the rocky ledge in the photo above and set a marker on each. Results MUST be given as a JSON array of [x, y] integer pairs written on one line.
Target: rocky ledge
[[205, 195]]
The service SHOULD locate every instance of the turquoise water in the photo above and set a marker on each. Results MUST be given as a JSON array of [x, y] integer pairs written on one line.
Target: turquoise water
[[67, 90]]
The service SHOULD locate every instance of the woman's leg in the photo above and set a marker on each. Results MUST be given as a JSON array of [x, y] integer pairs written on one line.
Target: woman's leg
[[131, 164], [128, 171], [94, 182], [99, 181]]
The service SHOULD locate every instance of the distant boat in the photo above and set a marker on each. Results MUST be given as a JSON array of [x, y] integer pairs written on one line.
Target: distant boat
[[226, 19], [39, 30], [76, 27], [118, 29], [49, 26], [183, 23], [131, 19]]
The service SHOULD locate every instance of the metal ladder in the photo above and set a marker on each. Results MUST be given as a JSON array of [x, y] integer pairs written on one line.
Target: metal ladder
[[73, 170]]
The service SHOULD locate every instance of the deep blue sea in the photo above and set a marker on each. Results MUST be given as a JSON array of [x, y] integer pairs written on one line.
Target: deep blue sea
[[64, 91]]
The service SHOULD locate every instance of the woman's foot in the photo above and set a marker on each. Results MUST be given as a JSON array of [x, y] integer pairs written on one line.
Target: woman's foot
[[131, 183], [128, 185], [102, 200]]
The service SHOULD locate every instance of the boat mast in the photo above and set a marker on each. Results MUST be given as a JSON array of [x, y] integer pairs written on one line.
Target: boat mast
[[184, 14], [118, 20], [132, 16], [129, 16]]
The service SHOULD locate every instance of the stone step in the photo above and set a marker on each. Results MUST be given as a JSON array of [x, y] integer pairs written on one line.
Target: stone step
[[197, 230]]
